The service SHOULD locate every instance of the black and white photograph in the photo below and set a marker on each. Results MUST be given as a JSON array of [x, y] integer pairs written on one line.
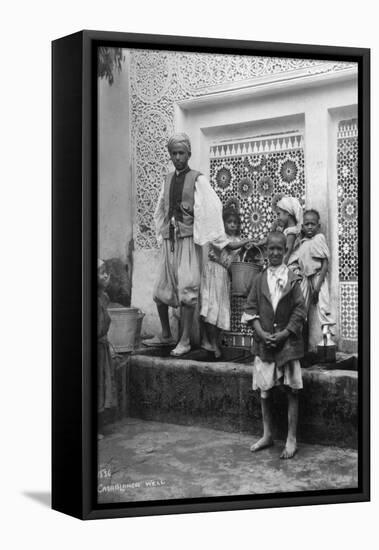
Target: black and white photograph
[[189, 281], [227, 275]]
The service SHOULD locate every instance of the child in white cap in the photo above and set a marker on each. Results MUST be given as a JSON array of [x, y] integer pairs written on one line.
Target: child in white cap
[[290, 218]]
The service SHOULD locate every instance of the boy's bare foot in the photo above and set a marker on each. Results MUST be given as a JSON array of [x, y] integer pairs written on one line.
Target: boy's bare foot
[[289, 450], [262, 443]]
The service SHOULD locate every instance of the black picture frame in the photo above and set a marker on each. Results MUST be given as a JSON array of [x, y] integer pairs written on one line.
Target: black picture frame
[[74, 206]]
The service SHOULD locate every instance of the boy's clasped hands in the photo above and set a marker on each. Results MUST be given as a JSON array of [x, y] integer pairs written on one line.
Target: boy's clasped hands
[[274, 340]]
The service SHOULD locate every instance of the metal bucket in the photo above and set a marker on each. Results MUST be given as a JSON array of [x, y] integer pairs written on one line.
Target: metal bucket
[[327, 354], [125, 328], [243, 275]]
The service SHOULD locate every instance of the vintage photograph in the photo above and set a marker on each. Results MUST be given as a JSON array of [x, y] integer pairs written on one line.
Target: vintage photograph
[[227, 315]]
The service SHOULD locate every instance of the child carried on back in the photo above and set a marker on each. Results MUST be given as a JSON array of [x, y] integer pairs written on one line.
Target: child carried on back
[[311, 258]]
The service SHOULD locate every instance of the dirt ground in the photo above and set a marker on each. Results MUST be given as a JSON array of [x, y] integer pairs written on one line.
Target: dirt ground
[[140, 460]]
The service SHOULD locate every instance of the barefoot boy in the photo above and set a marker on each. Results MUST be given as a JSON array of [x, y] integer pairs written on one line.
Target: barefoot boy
[[276, 308]]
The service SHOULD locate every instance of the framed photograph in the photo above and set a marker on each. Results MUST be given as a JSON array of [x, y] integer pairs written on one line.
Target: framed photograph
[[211, 291]]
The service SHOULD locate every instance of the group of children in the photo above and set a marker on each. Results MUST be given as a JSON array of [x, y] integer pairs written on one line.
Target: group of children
[[306, 255]]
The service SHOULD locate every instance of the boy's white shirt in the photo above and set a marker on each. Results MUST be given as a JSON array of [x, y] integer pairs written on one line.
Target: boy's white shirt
[[208, 223], [277, 278]]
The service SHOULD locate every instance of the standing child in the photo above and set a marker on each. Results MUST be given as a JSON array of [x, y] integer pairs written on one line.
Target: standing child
[[106, 392], [215, 283], [312, 258], [276, 308], [290, 218]]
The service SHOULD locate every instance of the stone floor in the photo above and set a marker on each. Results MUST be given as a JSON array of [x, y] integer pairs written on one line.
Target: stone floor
[[140, 460]]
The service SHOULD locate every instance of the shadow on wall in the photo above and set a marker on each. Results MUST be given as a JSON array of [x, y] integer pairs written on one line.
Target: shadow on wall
[[119, 288]]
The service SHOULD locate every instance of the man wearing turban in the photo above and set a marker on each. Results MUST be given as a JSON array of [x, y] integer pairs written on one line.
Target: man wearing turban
[[188, 215]]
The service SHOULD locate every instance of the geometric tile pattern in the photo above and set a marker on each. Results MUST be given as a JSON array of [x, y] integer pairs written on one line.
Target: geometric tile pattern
[[347, 191], [255, 181], [347, 194], [349, 310]]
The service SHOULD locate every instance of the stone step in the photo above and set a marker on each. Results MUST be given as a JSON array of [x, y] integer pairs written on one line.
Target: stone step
[[344, 361]]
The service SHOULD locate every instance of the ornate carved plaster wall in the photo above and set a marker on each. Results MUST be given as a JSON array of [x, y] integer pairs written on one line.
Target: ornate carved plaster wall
[[161, 79]]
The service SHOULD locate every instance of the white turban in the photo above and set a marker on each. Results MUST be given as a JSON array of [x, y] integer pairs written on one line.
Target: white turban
[[99, 263], [179, 139], [293, 207]]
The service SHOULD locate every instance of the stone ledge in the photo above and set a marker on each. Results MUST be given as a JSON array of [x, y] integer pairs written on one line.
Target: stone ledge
[[219, 395]]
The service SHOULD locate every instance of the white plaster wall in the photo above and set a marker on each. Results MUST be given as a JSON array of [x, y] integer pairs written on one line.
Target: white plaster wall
[[115, 204]]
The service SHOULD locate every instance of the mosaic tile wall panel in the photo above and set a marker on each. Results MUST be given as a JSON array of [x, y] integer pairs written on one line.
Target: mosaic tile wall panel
[[349, 310], [347, 189], [255, 181], [253, 175], [159, 79]]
